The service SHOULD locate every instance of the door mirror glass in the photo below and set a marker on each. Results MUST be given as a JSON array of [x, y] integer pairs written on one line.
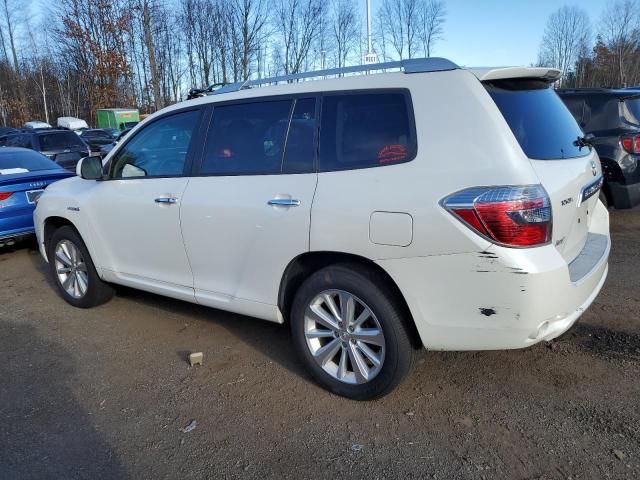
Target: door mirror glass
[[90, 168]]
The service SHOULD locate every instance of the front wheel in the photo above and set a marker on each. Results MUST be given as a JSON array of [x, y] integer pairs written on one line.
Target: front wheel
[[351, 333], [73, 270]]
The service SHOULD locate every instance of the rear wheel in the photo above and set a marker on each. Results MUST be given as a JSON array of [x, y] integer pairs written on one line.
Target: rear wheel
[[73, 270], [350, 333]]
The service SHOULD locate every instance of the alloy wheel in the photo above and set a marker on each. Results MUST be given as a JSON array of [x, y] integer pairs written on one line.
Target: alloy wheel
[[344, 336], [71, 269]]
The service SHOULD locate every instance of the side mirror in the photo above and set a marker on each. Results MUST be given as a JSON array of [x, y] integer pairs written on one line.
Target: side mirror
[[89, 168]]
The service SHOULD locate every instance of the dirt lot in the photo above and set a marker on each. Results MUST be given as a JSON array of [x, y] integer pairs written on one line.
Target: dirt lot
[[103, 394]]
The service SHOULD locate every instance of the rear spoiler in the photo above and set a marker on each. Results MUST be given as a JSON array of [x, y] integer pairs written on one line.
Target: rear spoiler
[[512, 73]]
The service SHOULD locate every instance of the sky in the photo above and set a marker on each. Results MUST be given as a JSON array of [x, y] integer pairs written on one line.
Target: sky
[[488, 32], [499, 32]]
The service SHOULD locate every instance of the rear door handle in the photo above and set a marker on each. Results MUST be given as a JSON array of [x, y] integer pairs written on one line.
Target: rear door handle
[[284, 202], [166, 200]]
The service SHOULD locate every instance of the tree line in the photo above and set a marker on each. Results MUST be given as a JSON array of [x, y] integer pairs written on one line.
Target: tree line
[[90, 54], [603, 52]]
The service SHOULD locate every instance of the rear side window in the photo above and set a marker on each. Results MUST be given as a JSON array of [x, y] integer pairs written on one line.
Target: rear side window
[[59, 141], [542, 124], [23, 141], [363, 130], [576, 107], [247, 139]]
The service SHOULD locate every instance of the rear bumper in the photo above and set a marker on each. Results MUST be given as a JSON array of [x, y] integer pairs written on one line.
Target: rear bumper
[[16, 222], [15, 235], [502, 298], [624, 196]]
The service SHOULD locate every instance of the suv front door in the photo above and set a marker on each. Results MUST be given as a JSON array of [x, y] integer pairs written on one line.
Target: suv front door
[[135, 213], [246, 214]]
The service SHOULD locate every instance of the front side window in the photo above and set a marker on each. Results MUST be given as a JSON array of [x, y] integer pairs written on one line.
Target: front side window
[[246, 139], [159, 149], [362, 130]]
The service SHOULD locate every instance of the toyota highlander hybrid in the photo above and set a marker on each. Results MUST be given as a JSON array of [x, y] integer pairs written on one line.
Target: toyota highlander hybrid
[[431, 206]]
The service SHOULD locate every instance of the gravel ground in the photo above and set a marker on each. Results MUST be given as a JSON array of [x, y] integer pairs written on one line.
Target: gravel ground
[[103, 393]]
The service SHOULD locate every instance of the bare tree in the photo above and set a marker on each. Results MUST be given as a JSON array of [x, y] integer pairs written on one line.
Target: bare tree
[[566, 33], [297, 26], [9, 9], [345, 30], [145, 8], [400, 23], [432, 17], [621, 34], [251, 17]]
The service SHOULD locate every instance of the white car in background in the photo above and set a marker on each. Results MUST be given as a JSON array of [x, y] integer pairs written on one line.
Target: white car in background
[[36, 124], [73, 123], [435, 207]]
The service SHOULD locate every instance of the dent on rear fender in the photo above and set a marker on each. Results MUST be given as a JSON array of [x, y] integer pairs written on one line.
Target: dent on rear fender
[[465, 290], [487, 263]]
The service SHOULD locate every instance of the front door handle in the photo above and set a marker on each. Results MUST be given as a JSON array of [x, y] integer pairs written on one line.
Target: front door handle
[[284, 202], [166, 200]]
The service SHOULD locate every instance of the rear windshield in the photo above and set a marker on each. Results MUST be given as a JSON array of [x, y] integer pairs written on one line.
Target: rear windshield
[[60, 141], [633, 105], [30, 161], [540, 121]]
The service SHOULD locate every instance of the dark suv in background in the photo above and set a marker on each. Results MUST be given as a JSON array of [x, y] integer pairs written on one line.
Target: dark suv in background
[[62, 146], [611, 120]]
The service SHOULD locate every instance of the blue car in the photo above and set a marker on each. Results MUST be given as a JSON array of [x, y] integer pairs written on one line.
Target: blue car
[[24, 174]]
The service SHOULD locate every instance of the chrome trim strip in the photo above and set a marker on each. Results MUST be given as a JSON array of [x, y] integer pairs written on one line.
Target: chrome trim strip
[[590, 189]]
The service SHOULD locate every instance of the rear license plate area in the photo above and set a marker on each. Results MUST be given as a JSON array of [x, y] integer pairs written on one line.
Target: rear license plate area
[[33, 195]]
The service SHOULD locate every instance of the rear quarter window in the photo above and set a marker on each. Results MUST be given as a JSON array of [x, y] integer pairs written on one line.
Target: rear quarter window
[[542, 124], [363, 130]]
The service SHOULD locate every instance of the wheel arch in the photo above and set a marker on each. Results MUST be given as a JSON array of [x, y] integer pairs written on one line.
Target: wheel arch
[[306, 264], [53, 223]]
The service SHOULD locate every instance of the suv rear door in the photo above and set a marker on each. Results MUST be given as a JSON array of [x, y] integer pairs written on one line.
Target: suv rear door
[[548, 135], [246, 212]]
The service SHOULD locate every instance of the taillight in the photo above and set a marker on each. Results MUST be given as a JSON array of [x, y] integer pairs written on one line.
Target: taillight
[[631, 143], [510, 216], [5, 195]]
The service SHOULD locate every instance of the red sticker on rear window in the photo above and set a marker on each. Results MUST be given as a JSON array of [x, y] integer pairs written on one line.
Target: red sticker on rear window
[[392, 153]]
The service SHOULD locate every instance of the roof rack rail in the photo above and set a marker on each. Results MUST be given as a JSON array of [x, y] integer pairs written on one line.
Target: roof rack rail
[[585, 89], [414, 65]]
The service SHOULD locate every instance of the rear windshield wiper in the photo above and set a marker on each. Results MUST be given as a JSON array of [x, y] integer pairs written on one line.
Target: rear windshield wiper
[[584, 142]]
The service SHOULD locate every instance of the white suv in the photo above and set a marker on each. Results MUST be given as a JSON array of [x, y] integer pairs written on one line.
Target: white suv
[[435, 207]]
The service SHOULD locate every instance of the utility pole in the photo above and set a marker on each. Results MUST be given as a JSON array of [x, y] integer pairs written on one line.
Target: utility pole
[[370, 57]]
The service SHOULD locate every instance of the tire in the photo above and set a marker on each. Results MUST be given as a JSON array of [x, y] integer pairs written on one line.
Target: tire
[[77, 268], [313, 336]]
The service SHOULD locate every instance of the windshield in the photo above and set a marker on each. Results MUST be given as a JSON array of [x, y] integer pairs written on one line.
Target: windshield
[[25, 160], [542, 124], [60, 141]]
